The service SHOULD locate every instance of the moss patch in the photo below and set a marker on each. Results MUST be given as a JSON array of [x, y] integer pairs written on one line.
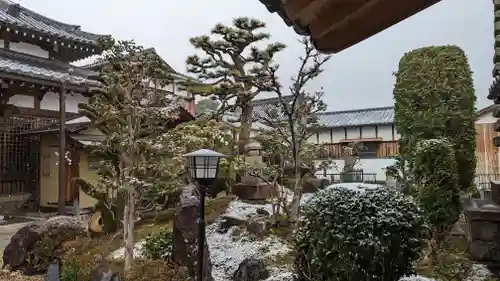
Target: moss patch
[[82, 251]]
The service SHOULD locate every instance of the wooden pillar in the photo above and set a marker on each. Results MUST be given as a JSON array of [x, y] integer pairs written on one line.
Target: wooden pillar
[[62, 149]]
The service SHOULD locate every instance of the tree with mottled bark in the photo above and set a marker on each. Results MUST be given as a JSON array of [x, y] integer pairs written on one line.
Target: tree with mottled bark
[[143, 149], [294, 120], [233, 66]]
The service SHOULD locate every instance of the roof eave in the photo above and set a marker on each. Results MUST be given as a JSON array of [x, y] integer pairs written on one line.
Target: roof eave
[[342, 33]]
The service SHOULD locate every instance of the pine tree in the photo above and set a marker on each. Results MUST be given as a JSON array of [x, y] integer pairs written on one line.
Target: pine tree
[[233, 65]]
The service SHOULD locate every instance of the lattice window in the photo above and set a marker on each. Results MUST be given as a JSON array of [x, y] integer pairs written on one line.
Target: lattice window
[[18, 153]]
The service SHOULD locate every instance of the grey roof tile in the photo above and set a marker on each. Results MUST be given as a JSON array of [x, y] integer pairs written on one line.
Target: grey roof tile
[[24, 68], [36, 22], [35, 67], [344, 118], [357, 117], [262, 106]]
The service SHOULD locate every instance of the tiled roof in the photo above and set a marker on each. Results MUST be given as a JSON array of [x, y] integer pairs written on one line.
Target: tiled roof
[[40, 68], [72, 125], [98, 63], [263, 106], [36, 22], [86, 139], [345, 118], [357, 117]]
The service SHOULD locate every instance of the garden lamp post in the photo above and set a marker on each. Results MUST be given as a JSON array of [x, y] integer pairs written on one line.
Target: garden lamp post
[[203, 166]]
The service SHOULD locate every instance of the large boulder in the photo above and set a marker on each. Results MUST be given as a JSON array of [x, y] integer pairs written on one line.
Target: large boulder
[[185, 239], [251, 270], [34, 246]]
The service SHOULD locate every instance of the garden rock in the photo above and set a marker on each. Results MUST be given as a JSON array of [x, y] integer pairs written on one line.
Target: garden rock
[[185, 239], [262, 212], [51, 233], [251, 270], [104, 276], [227, 222]]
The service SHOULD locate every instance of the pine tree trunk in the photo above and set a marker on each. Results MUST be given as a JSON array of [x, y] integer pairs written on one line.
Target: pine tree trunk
[[245, 128], [128, 229]]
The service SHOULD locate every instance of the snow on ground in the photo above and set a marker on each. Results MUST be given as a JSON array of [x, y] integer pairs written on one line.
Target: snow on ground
[[228, 250], [120, 253]]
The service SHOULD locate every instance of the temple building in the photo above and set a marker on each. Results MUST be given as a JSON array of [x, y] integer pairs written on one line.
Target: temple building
[[39, 86], [39, 122]]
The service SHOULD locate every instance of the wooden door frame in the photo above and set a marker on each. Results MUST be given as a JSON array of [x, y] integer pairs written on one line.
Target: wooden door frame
[[73, 172]]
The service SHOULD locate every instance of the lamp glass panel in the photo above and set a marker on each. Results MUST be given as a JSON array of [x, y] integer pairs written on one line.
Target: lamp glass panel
[[204, 167]]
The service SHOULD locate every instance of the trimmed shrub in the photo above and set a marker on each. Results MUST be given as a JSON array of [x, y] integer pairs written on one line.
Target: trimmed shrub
[[365, 234], [434, 98], [437, 183]]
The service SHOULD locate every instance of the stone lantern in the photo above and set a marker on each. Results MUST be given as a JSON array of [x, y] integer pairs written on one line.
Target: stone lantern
[[251, 187], [483, 226]]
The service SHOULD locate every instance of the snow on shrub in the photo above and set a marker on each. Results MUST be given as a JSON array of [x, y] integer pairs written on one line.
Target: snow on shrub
[[416, 278], [346, 234]]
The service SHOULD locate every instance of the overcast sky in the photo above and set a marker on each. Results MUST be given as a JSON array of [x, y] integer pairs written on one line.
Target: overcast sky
[[358, 77]]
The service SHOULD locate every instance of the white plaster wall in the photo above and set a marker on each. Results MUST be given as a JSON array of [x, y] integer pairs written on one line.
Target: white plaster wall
[[353, 132], [369, 166], [338, 135], [368, 132], [486, 118], [385, 132], [30, 49], [324, 136], [22, 101], [50, 101]]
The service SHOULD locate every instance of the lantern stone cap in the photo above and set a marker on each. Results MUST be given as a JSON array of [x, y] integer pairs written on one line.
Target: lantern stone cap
[[204, 153]]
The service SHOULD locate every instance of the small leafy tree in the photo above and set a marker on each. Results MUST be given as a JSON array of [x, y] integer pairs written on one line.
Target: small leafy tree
[[365, 234], [434, 98], [436, 179], [233, 64], [131, 110], [142, 149], [290, 124]]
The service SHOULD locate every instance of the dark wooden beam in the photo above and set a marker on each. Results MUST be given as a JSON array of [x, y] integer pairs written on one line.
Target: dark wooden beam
[[28, 111], [62, 149], [334, 13], [353, 10], [304, 10]]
